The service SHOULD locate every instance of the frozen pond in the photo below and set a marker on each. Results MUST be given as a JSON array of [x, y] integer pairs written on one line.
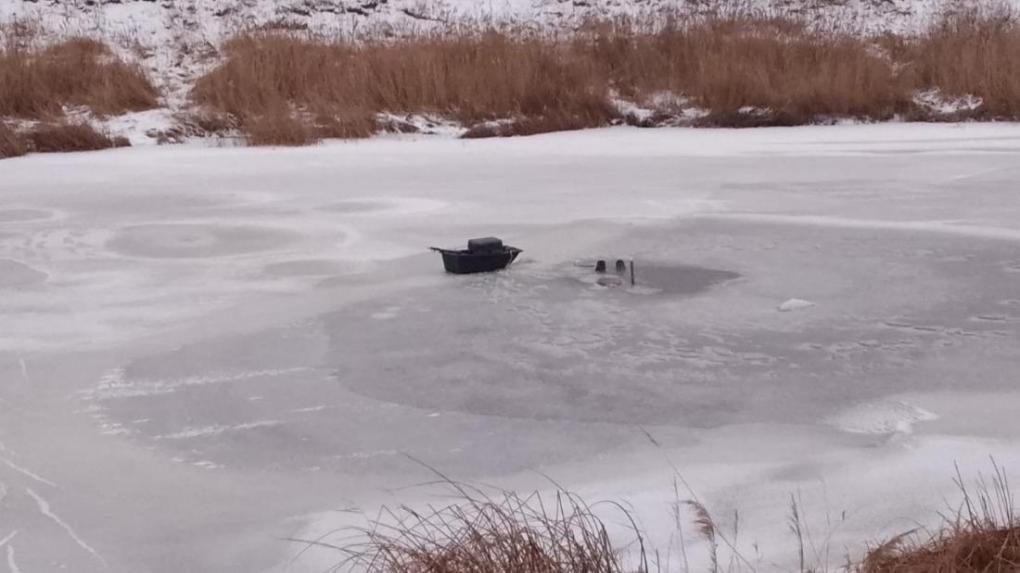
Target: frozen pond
[[204, 349]]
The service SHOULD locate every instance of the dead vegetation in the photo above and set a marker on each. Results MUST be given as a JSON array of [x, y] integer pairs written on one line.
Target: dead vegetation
[[285, 86], [11, 143], [337, 88], [500, 83], [982, 536], [39, 82], [483, 533], [772, 71], [55, 137], [739, 71], [279, 127], [971, 53], [61, 137], [506, 532]]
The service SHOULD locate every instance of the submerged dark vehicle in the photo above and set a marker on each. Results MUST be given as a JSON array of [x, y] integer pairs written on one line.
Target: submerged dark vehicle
[[482, 255]]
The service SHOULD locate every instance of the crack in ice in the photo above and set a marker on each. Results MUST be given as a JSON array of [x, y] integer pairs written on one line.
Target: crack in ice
[[12, 563], [24, 368], [26, 472], [44, 508]]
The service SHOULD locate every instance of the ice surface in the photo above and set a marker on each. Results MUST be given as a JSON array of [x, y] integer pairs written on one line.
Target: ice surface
[[194, 240], [15, 274], [204, 351]]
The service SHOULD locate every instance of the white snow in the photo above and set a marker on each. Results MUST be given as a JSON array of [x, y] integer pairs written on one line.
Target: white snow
[[139, 127], [794, 304], [936, 101]]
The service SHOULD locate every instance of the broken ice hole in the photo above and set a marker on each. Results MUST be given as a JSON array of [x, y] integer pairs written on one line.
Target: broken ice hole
[[653, 277]]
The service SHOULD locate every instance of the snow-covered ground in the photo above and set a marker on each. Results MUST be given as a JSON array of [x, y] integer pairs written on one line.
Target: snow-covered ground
[[207, 350]]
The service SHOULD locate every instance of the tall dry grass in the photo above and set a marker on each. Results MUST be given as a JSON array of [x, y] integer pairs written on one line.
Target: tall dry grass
[[12, 144], [740, 70], [37, 82], [548, 83], [982, 536], [70, 136], [338, 87], [789, 72], [506, 532], [971, 53], [489, 533], [288, 87], [54, 138]]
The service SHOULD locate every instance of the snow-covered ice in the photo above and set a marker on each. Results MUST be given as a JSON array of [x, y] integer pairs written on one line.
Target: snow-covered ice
[[208, 350]]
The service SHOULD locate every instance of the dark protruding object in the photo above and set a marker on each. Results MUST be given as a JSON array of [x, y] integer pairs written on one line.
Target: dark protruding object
[[600, 266], [485, 245], [632, 272], [621, 267], [482, 255]]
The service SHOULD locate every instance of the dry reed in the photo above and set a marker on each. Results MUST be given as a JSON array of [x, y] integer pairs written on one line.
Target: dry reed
[[742, 71], [39, 82], [11, 143], [784, 71], [483, 533], [971, 54], [339, 87], [59, 137], [290, 87], [982, 536]]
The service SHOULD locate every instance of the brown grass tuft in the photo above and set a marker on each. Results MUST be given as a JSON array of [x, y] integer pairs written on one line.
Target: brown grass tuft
[[983, 536], [59, 137], [747, 71], [508, 533], [972, 53], [472, 78], [37, 82], [278, 127], [784, 71], [11, 143]]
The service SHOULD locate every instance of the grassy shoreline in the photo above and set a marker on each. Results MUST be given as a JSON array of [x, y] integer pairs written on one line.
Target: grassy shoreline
[[291, 87]]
